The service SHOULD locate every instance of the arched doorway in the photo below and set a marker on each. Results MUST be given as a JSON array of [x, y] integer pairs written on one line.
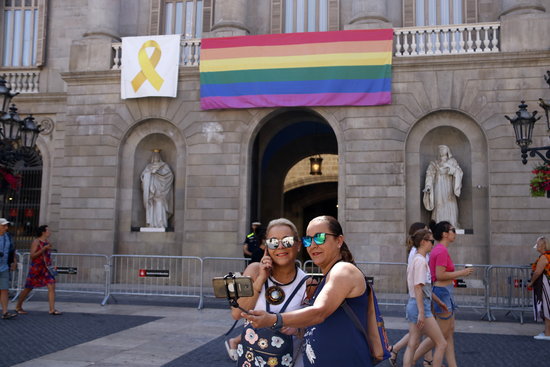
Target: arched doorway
[[284, 143]]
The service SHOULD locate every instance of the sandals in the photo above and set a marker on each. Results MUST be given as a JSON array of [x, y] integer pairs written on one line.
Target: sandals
[[20, 311], [232, 353], [56, 313], [8, 315], [393, 358], [427, 363]]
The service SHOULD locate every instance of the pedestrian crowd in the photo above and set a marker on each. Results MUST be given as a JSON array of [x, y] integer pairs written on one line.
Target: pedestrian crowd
[[296, 320]]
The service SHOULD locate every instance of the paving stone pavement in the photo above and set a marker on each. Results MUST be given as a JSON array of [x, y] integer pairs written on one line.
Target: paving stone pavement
[[139, 333]]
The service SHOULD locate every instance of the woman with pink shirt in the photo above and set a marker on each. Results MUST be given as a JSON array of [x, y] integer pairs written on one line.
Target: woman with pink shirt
[[443, 273]]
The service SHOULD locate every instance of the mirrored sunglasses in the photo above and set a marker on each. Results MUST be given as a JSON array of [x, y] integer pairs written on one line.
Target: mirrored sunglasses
[[273, 243], [318, 238]]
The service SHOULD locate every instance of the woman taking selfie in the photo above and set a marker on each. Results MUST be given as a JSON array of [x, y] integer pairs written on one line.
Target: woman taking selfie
[[331, 338], [279, 285]]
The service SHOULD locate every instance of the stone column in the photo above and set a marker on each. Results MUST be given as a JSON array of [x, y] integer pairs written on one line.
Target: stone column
[[525, 26], [367, 14], [230, 18], [93, 51]]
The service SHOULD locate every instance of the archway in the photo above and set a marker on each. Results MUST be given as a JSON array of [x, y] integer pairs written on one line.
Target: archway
[[283, 141]]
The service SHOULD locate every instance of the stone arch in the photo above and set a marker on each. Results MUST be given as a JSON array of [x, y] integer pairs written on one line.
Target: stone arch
[[283, 117], [135, 152], [468, 144]]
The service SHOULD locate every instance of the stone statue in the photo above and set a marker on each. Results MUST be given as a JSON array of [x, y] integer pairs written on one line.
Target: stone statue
[[156, 182], [442, 187]]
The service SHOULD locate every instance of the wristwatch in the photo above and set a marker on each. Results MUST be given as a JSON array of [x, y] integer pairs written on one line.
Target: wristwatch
[[278, 323]]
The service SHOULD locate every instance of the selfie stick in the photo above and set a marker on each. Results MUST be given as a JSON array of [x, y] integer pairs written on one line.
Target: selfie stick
[[232, 299]]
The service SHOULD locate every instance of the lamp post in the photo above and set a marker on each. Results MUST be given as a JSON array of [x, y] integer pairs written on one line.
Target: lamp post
[[17, 136], [523, 124]]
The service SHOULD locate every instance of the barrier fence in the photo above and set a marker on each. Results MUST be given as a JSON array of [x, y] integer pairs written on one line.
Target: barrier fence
[[488, 289]]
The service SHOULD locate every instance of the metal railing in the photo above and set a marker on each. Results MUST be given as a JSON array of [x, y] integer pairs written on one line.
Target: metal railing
[[175, 276], [488, 289]]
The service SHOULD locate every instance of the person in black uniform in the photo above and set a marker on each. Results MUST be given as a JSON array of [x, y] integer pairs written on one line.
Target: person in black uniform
[[253, 247]]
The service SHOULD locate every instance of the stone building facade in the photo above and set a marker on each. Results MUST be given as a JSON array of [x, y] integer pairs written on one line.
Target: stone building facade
[[230, 166]]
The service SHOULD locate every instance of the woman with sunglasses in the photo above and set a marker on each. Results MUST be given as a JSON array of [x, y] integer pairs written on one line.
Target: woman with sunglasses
[[279, 285], [331, 337], [443, 274], [419, 315]]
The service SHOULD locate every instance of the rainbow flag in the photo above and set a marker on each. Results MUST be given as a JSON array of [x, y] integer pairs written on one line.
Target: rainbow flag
[[343, 68]]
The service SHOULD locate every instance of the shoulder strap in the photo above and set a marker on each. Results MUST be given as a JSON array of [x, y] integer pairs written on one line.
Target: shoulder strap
[[298, 286], [349, 311], [267, 308]]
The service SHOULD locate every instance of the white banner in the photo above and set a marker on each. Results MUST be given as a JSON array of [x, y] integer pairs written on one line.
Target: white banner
[[150, 66]]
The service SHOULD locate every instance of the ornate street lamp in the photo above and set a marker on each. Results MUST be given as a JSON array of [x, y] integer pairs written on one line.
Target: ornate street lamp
[[523, 124], [17, 136]]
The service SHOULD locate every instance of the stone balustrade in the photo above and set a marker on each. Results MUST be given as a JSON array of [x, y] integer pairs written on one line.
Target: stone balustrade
[[445, 40], [22, 81], [190, 51], [413, 41]]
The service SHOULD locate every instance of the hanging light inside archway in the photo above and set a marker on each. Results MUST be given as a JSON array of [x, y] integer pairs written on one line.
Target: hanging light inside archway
[[315, 165]]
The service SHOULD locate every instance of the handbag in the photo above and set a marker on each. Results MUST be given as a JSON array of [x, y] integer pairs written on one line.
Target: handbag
[[266, 346], [51, 268], [374, 332]]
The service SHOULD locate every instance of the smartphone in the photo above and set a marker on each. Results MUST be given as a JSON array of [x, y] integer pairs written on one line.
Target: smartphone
[[232, 287]]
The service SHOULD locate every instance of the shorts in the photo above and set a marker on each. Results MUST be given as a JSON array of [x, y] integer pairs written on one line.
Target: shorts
[[411, 311], [445, 294], [5, 279]]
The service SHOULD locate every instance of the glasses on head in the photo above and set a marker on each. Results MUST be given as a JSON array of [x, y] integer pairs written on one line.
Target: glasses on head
[[318, 238], [430, 240], [273, 243]]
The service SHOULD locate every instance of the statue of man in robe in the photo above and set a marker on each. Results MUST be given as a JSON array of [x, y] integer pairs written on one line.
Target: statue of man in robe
[[442, 187], [156, 181]]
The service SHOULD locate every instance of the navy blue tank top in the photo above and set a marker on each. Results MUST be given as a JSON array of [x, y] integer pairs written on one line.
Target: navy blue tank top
[[337, 341]]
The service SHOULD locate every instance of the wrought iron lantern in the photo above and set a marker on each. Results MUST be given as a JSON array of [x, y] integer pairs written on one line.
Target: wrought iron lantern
[[17, 136], [315, 165], [524, 123]]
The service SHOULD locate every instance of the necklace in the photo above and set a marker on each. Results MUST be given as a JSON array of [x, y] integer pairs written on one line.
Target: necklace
[[275, 295]]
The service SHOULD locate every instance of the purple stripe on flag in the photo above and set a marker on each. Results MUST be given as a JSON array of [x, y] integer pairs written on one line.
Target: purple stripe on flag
[[292, 100]]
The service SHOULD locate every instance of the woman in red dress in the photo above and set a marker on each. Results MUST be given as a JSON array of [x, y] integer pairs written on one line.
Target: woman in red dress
[[39, 276]]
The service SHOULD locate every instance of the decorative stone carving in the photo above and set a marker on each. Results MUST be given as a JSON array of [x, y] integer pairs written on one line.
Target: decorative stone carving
[[443, 186], [156, 181]]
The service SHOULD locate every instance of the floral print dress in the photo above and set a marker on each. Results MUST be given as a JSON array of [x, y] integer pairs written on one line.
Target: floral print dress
[[39, 276]]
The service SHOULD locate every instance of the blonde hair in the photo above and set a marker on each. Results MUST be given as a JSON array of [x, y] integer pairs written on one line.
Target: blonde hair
[[282, 222]]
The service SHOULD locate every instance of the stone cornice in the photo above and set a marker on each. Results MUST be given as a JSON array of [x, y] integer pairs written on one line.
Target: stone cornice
[[113, 76], [472, 61]]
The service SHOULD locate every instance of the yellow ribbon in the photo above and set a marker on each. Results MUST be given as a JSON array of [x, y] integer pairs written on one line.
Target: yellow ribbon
[[148, 65]]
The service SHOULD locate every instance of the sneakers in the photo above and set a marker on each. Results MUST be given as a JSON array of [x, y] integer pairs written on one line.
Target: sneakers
[[541, 336]]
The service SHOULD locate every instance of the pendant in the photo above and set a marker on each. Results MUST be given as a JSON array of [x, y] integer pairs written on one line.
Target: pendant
[[275, 295]]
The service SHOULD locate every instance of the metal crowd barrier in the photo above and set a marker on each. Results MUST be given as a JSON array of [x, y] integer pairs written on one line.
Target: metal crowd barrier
[[17, 277], [507, 290], [489, 288], [77, 273], [176, 276]]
